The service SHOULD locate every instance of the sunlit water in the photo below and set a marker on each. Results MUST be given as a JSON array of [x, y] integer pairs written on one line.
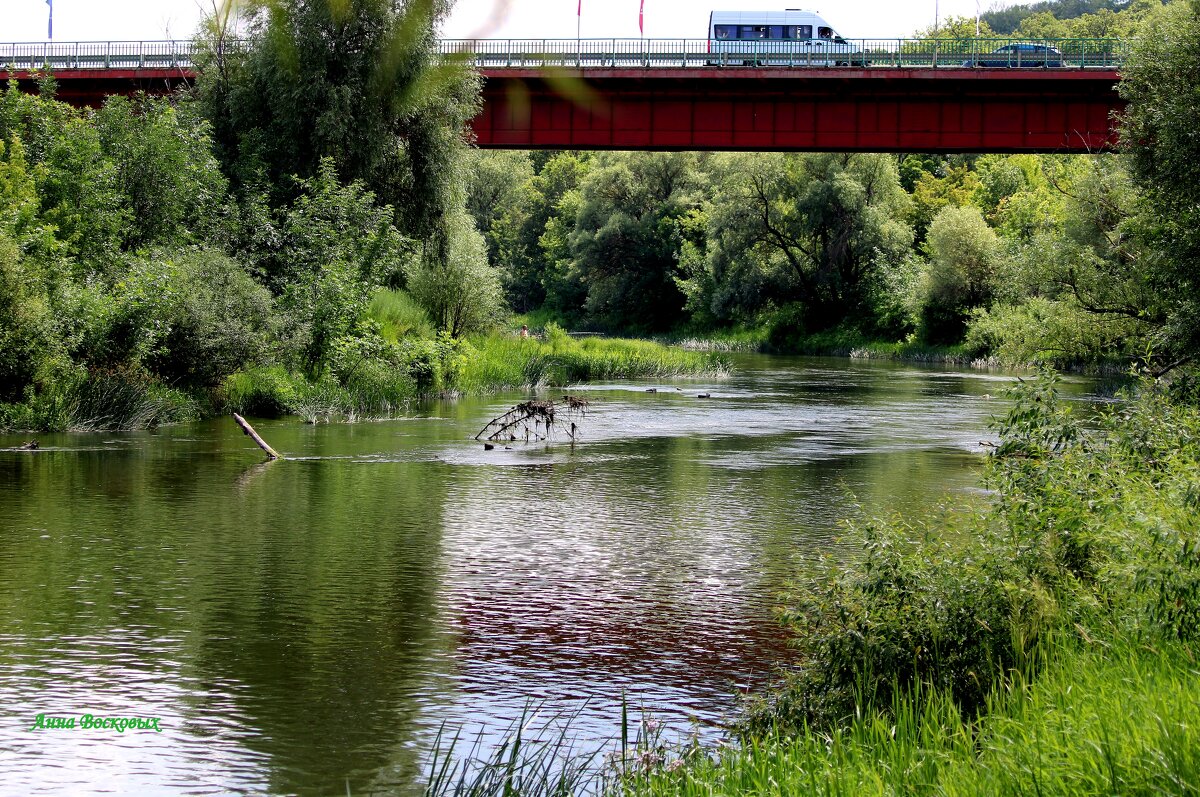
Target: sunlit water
[[307, 626]]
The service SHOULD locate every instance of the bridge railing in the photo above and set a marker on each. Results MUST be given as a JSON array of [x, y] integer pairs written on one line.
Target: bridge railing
[[640, 53], [96, 55], [893, 53]]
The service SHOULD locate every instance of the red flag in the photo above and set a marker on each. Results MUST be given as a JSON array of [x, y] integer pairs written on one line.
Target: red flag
[[579, 11], [641, 11]]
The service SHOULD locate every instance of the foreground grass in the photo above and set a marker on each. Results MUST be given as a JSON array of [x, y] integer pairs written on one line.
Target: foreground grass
[[1099, 720]]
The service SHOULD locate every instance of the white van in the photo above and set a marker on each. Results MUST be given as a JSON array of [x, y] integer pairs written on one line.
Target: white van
[[777, 38]]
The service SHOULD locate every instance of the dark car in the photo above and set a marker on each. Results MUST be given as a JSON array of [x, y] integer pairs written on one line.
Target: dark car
[[1019, 54]]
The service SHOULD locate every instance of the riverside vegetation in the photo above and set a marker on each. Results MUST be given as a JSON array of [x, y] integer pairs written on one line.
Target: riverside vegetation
[[252, 248], [247, 248]]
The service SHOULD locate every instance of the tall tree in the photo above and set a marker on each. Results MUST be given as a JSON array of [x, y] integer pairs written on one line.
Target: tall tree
[[357, 81], [1159, 131], [627, 237], [811, 229]]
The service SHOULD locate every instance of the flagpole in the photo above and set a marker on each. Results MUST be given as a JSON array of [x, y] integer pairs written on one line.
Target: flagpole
[[50, 22]]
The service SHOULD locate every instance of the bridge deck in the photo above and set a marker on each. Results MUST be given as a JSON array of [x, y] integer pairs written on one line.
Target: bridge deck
[[644, 94]]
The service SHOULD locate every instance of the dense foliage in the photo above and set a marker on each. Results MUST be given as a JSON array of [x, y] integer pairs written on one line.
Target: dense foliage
[[1094, 532], [1020, 258]]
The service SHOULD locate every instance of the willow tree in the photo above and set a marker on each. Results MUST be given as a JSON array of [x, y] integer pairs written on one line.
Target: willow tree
[[1159, 131], [812, 231], [356, 81]]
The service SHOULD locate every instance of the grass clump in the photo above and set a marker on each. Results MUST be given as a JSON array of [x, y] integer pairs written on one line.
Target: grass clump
[[507, 362], [118, 399], [399, 316]]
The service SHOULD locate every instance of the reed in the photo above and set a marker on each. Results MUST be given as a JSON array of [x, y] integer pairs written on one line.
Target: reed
[[536, 758], [556, 359], [1101, 719]]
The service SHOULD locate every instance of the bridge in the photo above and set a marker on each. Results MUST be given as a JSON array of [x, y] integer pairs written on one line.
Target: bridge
[[893, 95]]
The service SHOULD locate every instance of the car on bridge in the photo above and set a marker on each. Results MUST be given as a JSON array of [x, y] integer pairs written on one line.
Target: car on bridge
[[1019, 54]]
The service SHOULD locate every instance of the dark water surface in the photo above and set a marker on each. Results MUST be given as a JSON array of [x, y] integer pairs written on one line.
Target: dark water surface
[[307, 625]]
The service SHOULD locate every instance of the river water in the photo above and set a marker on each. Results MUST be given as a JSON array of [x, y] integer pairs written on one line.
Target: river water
[[307, 626]]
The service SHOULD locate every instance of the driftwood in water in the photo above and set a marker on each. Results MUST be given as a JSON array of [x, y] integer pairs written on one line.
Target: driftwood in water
[[536, 420], [249, 430]]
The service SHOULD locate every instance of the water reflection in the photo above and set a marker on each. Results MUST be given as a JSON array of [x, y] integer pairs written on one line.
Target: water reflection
[[306, 626]]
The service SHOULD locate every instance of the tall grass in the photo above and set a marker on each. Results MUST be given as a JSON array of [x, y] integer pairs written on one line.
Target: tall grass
[[399, 316], [508, 362], [1099, 720], [369, 391], [108, 400], [536, 758]]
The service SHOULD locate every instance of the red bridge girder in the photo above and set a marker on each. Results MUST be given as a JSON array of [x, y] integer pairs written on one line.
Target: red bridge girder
[[768, 109], [857, 110], [89, 87]]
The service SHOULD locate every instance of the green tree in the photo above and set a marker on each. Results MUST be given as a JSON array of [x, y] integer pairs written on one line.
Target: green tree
[[336, 247], [454, 282], [1158, 131], [955, 28], [539, 257], [357, 81], [627, 236], [963, 257], [168, 181], [813, 229], [496, 189]]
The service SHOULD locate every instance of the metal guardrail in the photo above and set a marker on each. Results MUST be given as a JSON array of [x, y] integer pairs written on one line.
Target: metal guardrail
[[97, 55], [869, 53], [635, 53]]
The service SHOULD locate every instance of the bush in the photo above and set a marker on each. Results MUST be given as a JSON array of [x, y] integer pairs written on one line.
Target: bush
[[1095, 523], [1054, 332], [262, 392], [219, 319]]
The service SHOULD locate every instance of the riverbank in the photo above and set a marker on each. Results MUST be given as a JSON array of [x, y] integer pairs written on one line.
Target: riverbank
[[380, 383], [852, 344], [1047, 646]]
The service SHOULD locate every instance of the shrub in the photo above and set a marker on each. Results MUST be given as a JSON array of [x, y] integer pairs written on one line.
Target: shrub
[[1042, 330], [218, 319], [264, 392], [454, 282], [1094, 523]]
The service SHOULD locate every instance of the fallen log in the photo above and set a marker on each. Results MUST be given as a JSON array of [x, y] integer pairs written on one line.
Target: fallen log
[[247, 429]]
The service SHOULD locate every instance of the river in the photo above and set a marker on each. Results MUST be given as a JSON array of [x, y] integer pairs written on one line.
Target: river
[[307, 626]]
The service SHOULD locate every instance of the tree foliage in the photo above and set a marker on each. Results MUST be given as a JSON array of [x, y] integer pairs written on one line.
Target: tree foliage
[[455, 282], [355, 81], [809, 229], [1159, 133]]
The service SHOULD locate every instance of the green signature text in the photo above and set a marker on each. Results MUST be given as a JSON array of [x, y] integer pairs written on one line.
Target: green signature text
[[90, 721]]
